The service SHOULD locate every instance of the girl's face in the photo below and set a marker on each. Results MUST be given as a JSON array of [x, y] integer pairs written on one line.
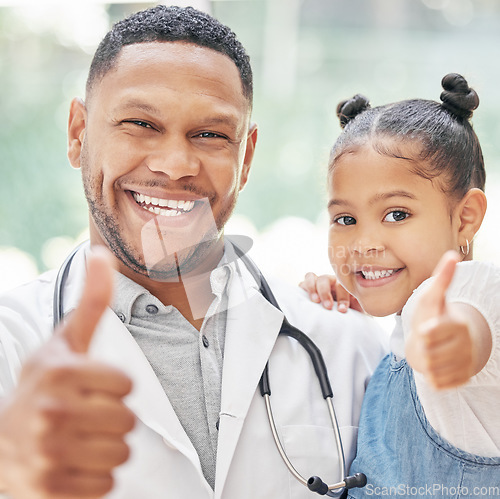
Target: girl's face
[[388, 228]]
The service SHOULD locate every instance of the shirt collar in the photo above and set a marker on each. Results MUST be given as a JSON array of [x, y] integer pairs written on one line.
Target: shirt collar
[[127, 291]]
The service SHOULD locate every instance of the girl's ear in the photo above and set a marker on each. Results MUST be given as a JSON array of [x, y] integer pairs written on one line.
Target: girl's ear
[[471, 211]]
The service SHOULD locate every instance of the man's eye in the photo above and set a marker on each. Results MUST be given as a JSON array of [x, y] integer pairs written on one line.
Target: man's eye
[[345, 220], [210, 135], [396, 216], [143, 124]]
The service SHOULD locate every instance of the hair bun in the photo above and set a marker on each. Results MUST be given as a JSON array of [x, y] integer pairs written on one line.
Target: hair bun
[[349, 109], [458, 97]]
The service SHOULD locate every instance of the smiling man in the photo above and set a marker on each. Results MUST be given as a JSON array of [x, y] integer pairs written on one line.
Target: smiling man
[[152, 391], [178, 97]]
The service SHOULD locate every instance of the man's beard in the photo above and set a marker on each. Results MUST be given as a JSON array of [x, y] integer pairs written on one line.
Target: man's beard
[[173, 265]]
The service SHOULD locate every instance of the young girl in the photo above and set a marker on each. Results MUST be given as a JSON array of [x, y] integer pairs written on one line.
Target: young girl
[[406, 186]]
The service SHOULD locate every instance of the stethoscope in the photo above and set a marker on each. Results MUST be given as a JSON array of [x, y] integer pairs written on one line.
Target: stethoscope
[[315, 483]]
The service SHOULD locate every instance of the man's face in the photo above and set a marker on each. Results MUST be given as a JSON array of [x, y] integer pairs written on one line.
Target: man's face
[[165, 147]]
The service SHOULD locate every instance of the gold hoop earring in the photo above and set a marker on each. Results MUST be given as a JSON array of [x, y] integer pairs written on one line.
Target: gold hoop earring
[[467, 248]]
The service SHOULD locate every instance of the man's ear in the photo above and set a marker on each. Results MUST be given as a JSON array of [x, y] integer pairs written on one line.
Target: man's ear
[[247, 162], [471, 211], [76, 131]]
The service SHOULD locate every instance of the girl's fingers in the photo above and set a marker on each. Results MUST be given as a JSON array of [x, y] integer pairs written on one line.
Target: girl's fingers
[[326, 289], [326, 286], [344, 298], [309, 285]]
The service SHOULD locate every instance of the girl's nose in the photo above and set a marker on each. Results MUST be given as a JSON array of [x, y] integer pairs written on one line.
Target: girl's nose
[[368, 244]]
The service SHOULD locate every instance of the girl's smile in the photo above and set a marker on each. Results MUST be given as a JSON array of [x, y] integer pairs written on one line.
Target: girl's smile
[[370, 278]]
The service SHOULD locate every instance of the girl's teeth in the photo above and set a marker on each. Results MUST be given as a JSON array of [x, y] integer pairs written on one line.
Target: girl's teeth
[[377, 274]]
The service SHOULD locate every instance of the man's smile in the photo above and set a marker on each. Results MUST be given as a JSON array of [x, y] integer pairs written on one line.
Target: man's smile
[[164, 207]]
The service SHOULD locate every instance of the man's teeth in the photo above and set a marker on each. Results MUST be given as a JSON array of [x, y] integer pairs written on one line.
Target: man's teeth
[[377, 274], [164, 207]]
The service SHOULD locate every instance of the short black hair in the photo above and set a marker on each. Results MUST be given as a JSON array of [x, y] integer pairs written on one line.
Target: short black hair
[[171, 24], [442, 131]]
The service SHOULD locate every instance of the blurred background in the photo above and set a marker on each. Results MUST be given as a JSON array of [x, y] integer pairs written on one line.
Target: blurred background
[[306, 55]]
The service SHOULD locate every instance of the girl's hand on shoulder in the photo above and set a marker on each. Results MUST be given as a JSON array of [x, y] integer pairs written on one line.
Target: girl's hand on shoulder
[[326, 289]]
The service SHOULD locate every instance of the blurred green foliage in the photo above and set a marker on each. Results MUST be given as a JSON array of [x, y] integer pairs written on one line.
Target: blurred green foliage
[[40, 196], [307, 55]]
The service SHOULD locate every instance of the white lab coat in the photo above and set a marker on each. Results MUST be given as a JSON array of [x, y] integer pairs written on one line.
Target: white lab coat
[[163, 463]]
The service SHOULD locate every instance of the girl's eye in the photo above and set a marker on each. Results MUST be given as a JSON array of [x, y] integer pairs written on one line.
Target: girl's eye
[[345, 220], [396, 216]]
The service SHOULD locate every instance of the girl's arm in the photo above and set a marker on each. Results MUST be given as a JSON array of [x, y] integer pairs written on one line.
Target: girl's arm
[[447, 343]]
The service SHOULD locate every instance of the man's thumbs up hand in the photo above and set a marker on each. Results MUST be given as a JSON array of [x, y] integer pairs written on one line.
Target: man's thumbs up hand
[[62, 430], [440, 344]]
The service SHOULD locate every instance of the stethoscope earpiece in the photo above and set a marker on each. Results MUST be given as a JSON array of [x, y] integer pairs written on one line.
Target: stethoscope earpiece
[[315, 484], [354, 481]]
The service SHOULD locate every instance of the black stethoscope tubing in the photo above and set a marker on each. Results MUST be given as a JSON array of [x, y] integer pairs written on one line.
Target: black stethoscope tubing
[[62, 277], [315, 484]]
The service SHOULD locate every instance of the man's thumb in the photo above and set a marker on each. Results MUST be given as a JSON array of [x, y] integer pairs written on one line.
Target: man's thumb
[[96, 297], [443, 275]]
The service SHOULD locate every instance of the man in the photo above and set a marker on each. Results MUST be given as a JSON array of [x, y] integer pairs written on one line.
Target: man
[[165, 143]]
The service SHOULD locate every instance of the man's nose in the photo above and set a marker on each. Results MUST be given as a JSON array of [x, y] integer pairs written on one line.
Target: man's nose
[[176, 158]]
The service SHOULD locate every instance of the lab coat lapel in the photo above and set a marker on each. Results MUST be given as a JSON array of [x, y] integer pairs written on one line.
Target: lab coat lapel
[[113, 344], [252, 328]]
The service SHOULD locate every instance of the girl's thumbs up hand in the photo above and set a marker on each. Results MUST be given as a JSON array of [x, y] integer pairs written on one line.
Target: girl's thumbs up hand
[[62, 430], [440, 344]]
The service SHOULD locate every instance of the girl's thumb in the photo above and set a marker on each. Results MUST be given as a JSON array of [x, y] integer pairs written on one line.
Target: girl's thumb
[[443, 275]]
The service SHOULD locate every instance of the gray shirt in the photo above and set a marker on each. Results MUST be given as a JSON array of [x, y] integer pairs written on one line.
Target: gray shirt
[[188, 363]]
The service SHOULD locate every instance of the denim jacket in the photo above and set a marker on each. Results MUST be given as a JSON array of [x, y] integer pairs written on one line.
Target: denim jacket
[[402, 455]]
